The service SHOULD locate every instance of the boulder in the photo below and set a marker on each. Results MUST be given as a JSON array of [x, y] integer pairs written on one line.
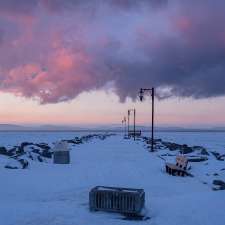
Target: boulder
[[218, 156], [37, 151], [197, 159], [220, 185], [204, 152], [222, 157], [219, 182], [171, 146], [12, 151], [24, 163], [43, 146], [3, 151], [75, 141], [40, 159], [24, 144], [47, 154], [201, 149], [186, 149], [17, 164]]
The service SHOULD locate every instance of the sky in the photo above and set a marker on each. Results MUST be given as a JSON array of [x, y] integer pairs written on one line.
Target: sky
[[78, 62]]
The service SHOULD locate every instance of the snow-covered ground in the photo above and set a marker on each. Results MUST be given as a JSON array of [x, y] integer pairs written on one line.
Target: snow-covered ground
[[11, 138], [49, 194]]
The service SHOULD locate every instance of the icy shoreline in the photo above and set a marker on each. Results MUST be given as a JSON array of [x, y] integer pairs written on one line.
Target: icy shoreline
[[58, 194]]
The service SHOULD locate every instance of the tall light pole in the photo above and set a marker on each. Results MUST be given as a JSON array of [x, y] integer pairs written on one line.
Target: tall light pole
[[141, 95], [134, 111], [124, 121], [128, 123]]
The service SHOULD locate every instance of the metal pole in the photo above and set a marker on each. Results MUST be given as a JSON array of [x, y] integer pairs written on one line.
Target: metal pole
[[153, 98], [134, 123], [125, 127], [128, 121]]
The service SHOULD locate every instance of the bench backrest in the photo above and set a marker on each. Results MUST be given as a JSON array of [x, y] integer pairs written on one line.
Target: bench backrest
[[136, 133], [181, 161]]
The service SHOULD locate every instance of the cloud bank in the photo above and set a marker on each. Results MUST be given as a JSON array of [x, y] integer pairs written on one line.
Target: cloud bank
[[54, 50]]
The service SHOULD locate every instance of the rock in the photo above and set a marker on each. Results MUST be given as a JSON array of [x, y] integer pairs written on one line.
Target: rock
[[11, 167], [35, 150], [17, 164], [218, 156], [145, 139], [24, 144], [40, 159], [189, 168], [215, 174], [3, 151], [43, 146], [157, 141], [24, 163], [222, 157], [158, 147], [19, 150], [197, 159], [204, 152], [167, 154], [12, 151], [171, 146], [31, 157], [46, 154], [74, 141], [220, 185], [78, 142], [186, 149], [102, 137], [69, 141], [219, 182], [197, 148]]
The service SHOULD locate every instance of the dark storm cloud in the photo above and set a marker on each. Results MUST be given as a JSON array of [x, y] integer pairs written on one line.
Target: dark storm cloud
[[63, 48], [190, 63], [1, 36], [123, 4], [15, 6]]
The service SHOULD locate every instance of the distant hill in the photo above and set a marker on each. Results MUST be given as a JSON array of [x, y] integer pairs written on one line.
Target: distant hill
[[5, 127], [13, 127]]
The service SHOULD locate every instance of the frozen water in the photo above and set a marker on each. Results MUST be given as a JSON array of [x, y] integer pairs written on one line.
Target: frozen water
[[50, 194]]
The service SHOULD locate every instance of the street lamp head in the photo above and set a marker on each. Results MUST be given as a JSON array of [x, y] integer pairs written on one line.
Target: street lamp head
[[141, 94]]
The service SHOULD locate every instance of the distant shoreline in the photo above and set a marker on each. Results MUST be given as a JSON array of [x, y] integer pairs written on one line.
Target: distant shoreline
[[121, 131]]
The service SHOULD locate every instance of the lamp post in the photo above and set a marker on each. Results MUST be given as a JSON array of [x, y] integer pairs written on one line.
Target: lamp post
[[124, 121], [128, 123], [141, 96], [134, 111]]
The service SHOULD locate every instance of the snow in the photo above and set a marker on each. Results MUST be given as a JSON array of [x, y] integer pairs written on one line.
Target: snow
[[61, 146], [103, 188], [9, 139], [51, 194]]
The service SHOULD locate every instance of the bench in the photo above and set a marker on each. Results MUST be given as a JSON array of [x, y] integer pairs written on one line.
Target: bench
[[115, 199], [179, 168], [136, 133]]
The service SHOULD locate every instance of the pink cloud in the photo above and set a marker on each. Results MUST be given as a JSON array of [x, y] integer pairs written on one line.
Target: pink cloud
[[53, 50]]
